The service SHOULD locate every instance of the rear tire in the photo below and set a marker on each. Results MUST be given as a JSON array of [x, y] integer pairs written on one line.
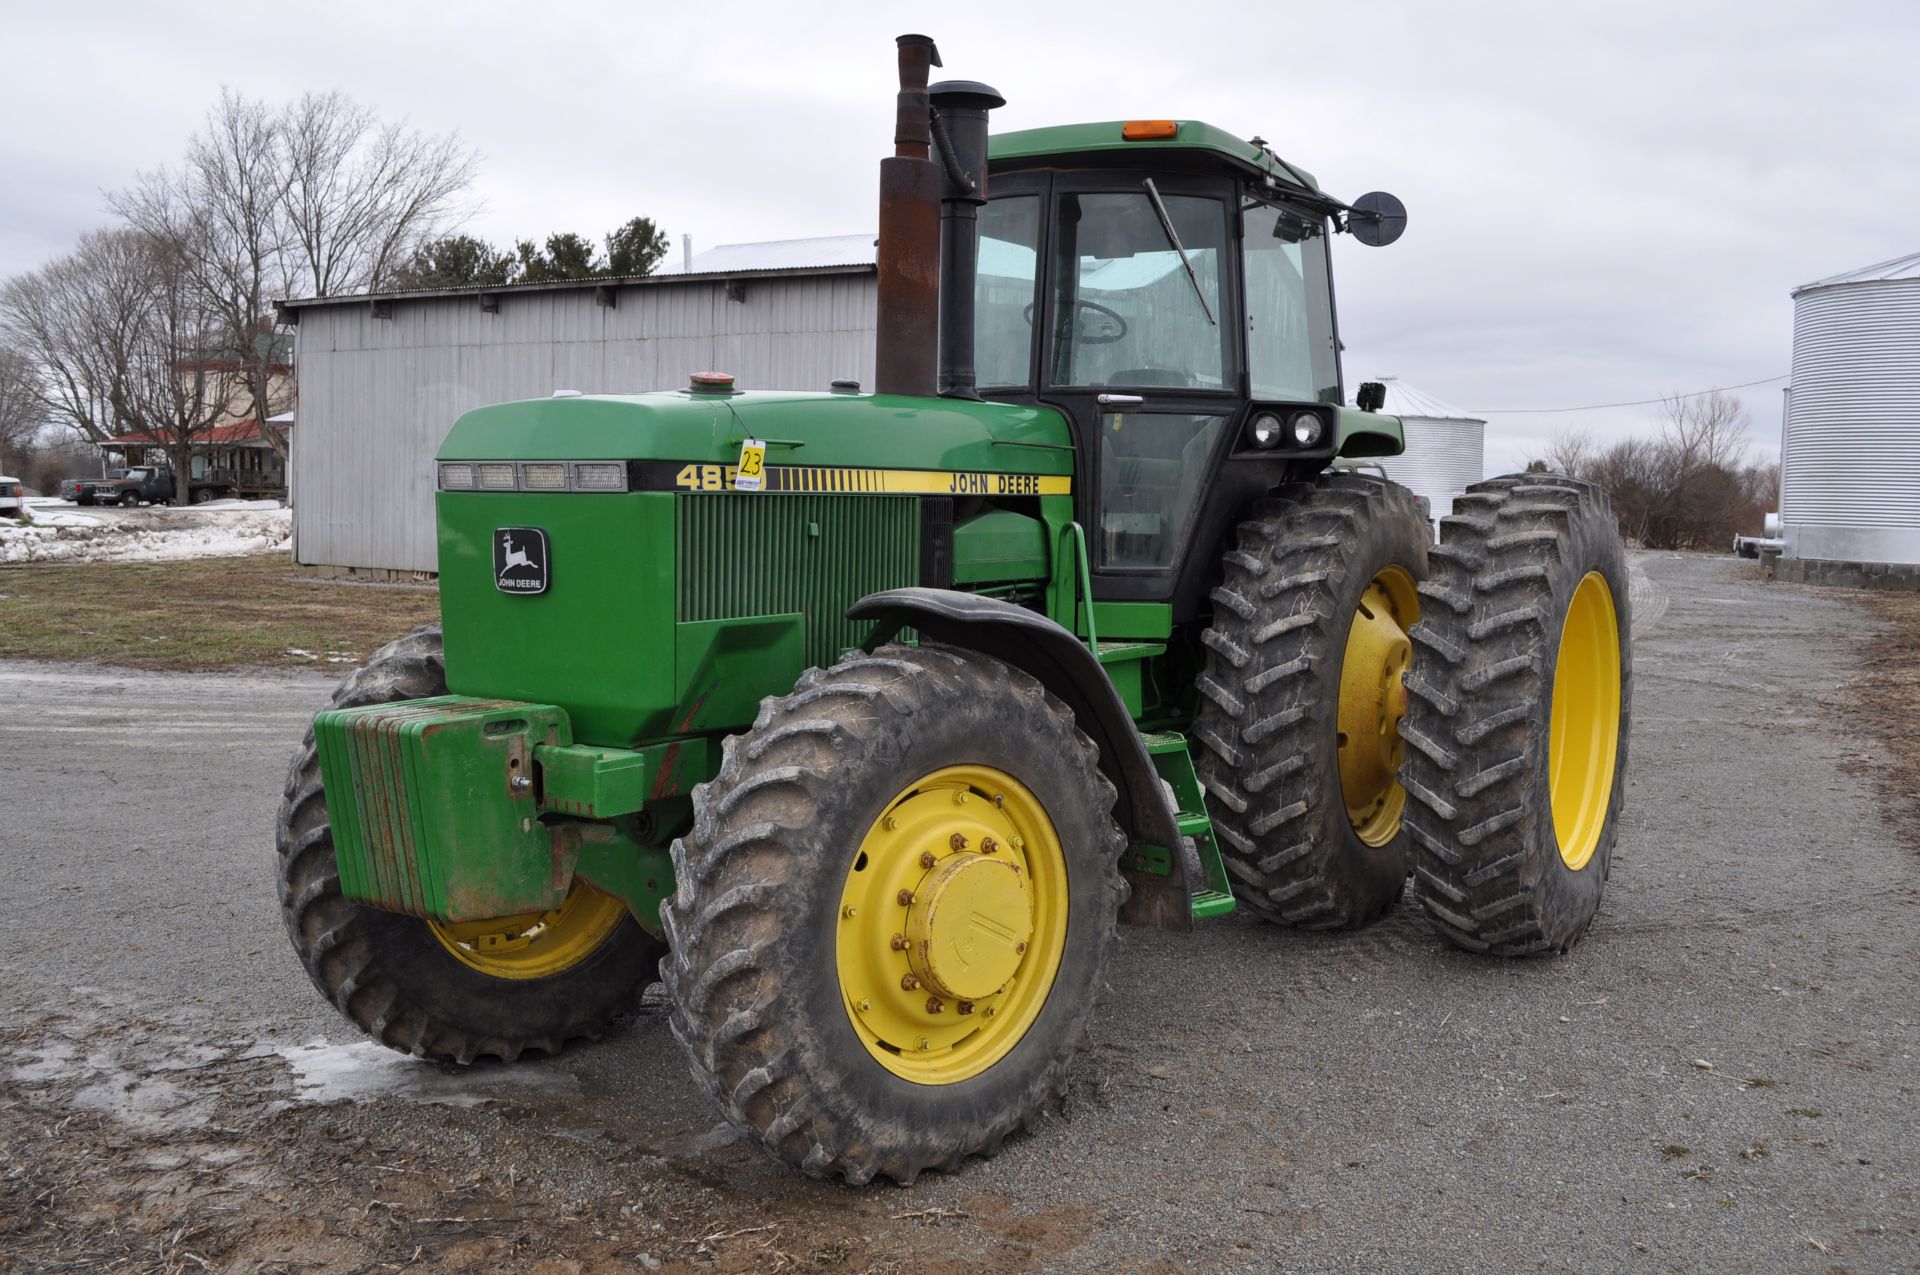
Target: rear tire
[[1270, 718], [777, 981], [1510, 858], [389, 973]]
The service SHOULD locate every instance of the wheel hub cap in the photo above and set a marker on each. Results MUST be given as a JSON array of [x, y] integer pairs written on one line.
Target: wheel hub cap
[[1373, 699], [968, 926], [952, 923]]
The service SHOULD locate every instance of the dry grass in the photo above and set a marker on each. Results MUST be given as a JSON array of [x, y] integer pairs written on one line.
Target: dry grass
[[1887, 698], [204, 613]]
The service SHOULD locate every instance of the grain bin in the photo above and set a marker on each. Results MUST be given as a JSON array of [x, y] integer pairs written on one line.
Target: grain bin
[[1446, 448], [1850, 468]]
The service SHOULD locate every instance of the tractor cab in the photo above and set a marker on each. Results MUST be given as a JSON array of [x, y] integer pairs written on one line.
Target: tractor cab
[[1165, 286]]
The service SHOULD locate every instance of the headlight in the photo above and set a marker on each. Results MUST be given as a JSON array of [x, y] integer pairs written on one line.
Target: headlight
[[497, 477], [547, 476], [1307, 428], [456, 477], [1264, 431], [599, 475]]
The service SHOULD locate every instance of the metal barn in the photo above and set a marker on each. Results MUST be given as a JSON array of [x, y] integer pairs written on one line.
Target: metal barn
[[383, 377]]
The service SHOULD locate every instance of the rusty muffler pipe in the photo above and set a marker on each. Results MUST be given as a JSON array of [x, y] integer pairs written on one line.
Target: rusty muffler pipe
[[960, 134], [907, 345]]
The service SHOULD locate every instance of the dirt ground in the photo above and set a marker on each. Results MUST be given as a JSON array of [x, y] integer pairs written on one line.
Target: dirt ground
[[201, 613], [1721, 1077]]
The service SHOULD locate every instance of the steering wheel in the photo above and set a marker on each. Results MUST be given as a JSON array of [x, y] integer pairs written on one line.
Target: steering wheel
[[1114, 329]]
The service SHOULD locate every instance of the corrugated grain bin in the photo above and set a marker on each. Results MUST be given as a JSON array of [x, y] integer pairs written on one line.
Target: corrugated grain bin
[[1850, 469], [1446, 448]]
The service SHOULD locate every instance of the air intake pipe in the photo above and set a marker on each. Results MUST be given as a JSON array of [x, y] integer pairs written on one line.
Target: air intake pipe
[[960, 136], [906, 354]]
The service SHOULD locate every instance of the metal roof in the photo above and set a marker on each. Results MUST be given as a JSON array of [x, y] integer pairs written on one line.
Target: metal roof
[[1106, 136], [783, 254], [1404, 400], [1900, 268], [657, 279]]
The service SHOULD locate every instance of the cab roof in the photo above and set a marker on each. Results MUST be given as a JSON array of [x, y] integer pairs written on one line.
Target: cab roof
[[1189, 136]]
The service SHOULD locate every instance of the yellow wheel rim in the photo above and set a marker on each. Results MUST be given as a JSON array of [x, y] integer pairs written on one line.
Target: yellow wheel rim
[[1373, 699], [535, 944], [1583, 744], [952, 924]]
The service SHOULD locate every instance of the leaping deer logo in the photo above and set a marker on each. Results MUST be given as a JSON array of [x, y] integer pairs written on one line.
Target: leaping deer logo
[[514, 557]]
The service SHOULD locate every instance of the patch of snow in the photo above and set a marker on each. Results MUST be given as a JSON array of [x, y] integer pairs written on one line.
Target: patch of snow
[[362, 1071], [236, 503], [63, 515], [149, 540], [300, 653]]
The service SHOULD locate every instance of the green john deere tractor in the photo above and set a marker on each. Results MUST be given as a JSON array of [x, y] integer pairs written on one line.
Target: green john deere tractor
[[862, 719]]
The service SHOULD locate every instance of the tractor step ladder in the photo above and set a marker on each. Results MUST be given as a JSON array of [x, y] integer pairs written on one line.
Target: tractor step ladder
[[1175, 764]]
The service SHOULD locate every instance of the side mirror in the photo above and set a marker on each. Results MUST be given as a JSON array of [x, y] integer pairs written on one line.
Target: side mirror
[[1371, 396], [1377, 219]]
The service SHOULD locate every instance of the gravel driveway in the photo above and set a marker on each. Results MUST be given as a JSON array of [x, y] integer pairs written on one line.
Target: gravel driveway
[[1721, 1077]]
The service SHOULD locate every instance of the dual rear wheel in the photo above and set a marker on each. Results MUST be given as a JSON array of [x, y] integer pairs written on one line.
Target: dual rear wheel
[[1373, 704]]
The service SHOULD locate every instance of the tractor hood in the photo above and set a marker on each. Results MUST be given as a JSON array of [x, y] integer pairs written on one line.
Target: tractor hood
[[870, 430]]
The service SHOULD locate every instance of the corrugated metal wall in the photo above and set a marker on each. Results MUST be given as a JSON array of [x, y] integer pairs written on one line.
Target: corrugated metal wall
[[378, 395], [1850, 475], [1442, 459]]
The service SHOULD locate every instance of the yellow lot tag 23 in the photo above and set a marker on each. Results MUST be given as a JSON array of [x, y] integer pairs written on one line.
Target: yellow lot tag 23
[[752, 472]]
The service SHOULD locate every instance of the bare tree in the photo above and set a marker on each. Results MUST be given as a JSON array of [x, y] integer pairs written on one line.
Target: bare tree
[[1571, 453], [118, 332], [225, 209], [21, 413], [362, 195], [1691, 486], [80, 320]]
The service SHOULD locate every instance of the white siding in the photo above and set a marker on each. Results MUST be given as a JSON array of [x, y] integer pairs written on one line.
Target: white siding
[[378, 395]]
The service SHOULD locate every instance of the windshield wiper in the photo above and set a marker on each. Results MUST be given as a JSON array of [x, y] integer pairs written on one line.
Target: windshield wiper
[[1166, 224]]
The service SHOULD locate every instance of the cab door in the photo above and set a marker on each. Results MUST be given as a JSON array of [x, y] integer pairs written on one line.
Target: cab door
[[1141, 350]]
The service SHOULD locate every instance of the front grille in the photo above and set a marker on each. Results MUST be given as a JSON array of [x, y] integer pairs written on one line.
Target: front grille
[[745, 555]]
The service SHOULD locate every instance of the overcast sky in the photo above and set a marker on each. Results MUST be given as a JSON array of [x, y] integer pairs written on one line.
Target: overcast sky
[[1608, 201]]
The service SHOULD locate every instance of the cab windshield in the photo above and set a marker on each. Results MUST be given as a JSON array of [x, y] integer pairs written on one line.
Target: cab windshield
[[1132, 308]]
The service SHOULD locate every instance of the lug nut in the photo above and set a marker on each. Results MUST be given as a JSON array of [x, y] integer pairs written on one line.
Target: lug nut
[[935, 1005], [957, 841], [1017, 844], [991, 1011], [988, 845], [965, 1007], [908, 982], [848, 911], [960, 797], [905, 897], [889, 823], [926, 858], [898, 943], [866, 1006], [923, 1044], [1020, 948]]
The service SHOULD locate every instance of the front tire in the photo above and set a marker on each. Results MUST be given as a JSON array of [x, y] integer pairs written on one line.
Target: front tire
[[452, 993], [824, 999], [1301, 699], [1521, 701]]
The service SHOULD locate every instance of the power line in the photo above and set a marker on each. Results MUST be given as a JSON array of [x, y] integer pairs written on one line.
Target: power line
[[1639, 402]]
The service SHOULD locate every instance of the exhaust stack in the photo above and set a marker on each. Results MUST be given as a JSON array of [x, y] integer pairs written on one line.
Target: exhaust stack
[[960, 134], [907, 344]]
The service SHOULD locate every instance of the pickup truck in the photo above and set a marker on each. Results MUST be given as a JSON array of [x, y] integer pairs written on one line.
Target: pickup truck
[[126, 487], [13, 497]]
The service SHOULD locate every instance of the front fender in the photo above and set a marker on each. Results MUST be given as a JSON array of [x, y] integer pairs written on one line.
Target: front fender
[[1064, 665]]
